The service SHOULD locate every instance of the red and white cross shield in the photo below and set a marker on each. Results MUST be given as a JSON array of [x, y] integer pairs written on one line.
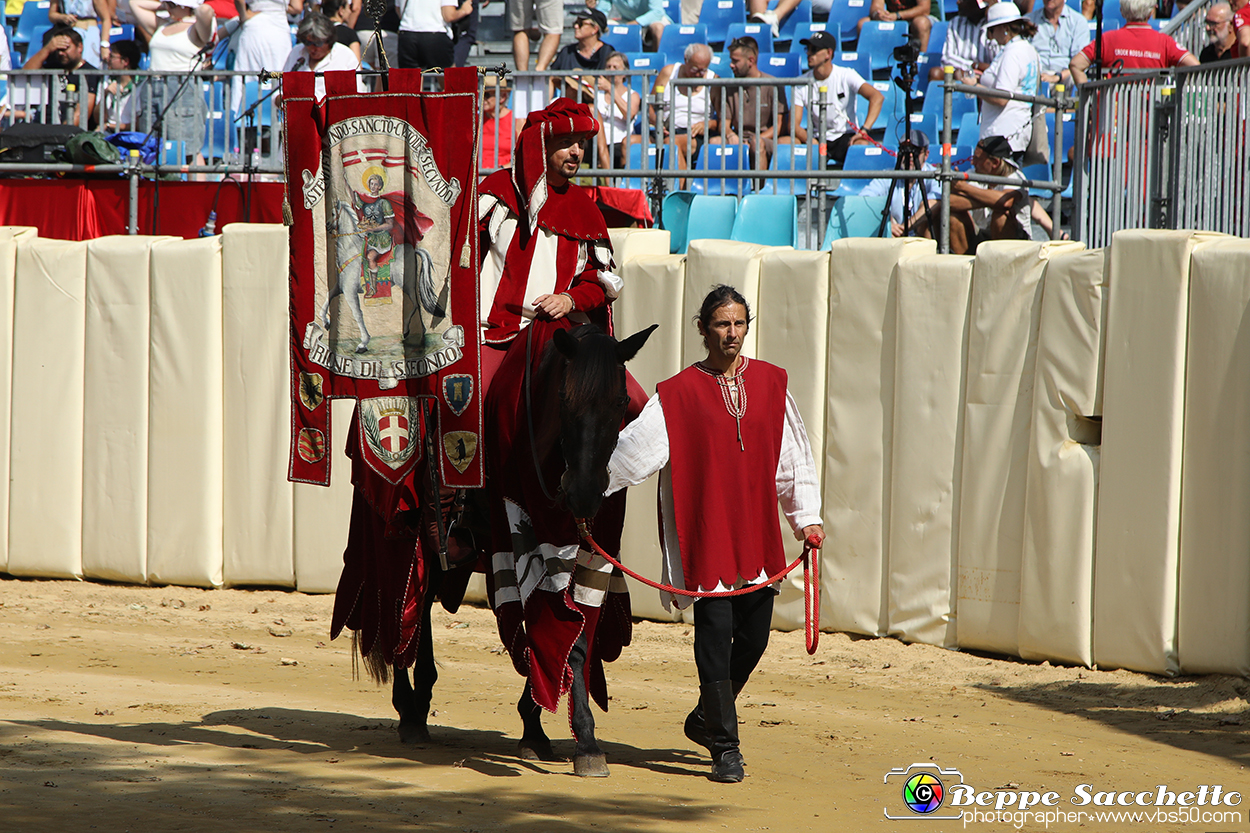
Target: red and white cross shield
[[394, 431]]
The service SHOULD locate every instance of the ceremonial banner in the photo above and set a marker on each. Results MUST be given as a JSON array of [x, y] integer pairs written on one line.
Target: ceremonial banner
[[384, 288]]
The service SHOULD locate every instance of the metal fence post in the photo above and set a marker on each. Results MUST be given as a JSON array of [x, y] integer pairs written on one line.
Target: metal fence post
[[944, 243], [1056, 168]]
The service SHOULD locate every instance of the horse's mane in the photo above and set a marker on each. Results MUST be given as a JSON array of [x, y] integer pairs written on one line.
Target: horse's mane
[[592, 377]]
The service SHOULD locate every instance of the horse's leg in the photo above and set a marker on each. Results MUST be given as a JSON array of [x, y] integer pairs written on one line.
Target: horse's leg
[[335, 291], [413, 727], [353, 301], [534, 744], [588, 758]]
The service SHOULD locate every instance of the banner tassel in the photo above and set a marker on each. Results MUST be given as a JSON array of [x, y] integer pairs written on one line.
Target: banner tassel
[[288, 218], [466, 254]]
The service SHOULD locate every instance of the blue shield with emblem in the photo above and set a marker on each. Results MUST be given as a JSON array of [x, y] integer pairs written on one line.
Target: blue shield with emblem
[[458, 392]]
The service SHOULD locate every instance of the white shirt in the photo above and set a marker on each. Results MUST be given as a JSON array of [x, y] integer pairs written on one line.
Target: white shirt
[[689, 107], [339, 57], [642, 450], [966, 44], [615, 125], [1016, 69], [1024, 209], [841, 91], [424, 16]]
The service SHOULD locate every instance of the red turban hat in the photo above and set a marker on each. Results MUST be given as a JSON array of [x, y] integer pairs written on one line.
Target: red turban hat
[[529, 168]]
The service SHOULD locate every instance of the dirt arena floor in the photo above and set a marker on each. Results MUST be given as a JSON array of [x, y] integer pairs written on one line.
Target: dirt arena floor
[[173, 709]]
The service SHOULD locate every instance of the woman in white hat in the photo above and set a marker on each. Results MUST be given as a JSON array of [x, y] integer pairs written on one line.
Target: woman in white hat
[[175, 46], [1017, 69]]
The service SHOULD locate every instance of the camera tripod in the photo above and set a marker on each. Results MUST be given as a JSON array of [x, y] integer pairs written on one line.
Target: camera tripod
[[910, 156]]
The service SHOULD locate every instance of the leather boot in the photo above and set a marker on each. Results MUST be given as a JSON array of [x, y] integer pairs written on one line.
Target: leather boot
[[694, 728], [720, 717]]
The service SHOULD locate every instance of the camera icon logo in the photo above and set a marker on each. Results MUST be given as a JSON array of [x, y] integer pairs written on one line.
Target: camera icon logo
[[923, 788]]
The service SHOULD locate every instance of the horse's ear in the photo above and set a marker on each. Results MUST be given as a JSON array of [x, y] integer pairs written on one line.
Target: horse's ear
[[565, 343], [627, 349]]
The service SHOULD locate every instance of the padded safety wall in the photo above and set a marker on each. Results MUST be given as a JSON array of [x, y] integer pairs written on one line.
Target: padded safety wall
[[258, 543], [321, 514], [1002, 343], [790, 326], [9, 239], [859, 416], [46, 437], [1057, 565], [185, 414], [712, 262], [931, 318], [1213, 616], [115, 449], [1139, 488]]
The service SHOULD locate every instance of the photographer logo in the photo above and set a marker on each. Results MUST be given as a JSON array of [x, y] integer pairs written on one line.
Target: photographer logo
[[923, 788]]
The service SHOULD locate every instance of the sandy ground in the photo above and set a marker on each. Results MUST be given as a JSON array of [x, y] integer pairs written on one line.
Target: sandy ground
[[173, 709]]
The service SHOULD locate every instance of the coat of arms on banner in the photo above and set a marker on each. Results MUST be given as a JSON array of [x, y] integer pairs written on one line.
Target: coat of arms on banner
[[458, 391], [391, 428]]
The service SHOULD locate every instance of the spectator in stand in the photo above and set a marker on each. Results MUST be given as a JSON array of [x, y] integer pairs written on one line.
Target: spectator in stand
[[1062, 32], [498, 127], [118, 96], [922, 192], [545, 18], [1221, 37], [842, 86], [1016, 69], [617, 105], [62, 49], [175, 47], [967, 48], [649, 14], [693, 117], [753, 115], [1136, 46], [757, 11], [425, 32], [264, 37], [94, 19], [388, 26], [587, 52], [464, 33], [989, 212], [1241, 25], [339, 12], [316, 50], [915, 12]]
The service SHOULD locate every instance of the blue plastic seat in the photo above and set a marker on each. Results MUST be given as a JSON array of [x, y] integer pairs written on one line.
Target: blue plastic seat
[[846, 14], [635, 161], [804, 31], [711, 218], [1042, 172], [969, 125], [889, 122], [862, 158], [762, 32], [32, 22], [767, 219], [220, 131], [730, 158], [961, 104], [252, 92], [802, 14], [720, 65], [927, 124], [937, 36], [675, 39], [675, 218], [624, 37], [878, 38], [650, 61], [788, 157], [853, 217], [857, 61], [924, 63], [718, 15], [783, 64]]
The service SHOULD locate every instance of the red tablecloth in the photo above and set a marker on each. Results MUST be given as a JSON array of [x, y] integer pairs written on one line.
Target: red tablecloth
[[629, 202]]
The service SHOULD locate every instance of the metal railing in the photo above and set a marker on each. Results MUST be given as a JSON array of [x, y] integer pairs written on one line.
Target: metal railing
[[1163, 149], [1186, 25]]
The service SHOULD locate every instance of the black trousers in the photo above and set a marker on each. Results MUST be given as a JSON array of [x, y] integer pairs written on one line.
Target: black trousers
[[730, 635], [425, 50]]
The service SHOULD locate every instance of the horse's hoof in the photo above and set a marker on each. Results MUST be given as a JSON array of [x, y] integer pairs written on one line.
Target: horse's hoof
[[362, 347], [536, 750], [413, 733], [591, 766]]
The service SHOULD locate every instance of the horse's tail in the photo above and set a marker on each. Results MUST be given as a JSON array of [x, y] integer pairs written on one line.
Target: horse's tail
[[376, 665], [425, 285]]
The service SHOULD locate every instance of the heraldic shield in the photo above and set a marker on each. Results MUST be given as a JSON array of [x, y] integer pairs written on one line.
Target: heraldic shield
[[382, 189]]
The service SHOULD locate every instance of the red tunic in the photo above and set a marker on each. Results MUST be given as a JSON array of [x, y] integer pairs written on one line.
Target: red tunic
[[735, 533]]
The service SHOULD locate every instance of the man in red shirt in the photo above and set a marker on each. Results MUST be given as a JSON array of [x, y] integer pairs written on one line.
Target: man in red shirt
[[1136, 46], [1241, 24]]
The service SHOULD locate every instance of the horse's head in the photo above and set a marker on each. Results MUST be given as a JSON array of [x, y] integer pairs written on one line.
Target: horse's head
[[592, 406]]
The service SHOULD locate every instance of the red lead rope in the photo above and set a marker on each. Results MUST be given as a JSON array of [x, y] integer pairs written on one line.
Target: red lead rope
[[811, 583]]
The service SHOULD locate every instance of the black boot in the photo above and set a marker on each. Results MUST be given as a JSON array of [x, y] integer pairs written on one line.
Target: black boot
[[720, 718], [694, 728]]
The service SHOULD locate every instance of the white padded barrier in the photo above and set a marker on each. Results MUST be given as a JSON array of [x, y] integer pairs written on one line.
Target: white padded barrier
[[115, 434], [10, 237], [322, 515], [1213, 617], [45, 465], [1002, 343], [629, 243], [258, 515], [1057, 565], [712, 262], [931, 322], [186, 455], [654, 289], [791, 333], [859, 410], [1139, 490]]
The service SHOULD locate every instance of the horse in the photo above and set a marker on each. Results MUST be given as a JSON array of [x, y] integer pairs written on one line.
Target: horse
[[412, 270]]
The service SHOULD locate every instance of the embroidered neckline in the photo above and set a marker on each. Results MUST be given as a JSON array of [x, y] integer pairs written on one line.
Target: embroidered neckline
[[733, 390]]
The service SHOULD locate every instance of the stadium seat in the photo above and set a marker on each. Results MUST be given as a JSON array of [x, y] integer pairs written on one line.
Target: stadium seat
[[675, 218], [878, 38], [783, 64], [624, 38], [711, 218], [767, 219], [937, 36], [720, 65], [675, 39], [790, 157], [924, 63], [1042, 172], [969, 125], [802, 14], [1069, 130], [846, 14], [853, 217], [1111, 13], [263, 115], [862, 158], [718, 15], [893, 112], [722, 158], [762, 32], [635, 161], [220, 131], [927, 124], [857, 61], [961, 103], [32, 22], [653, 62], [804, 31]]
